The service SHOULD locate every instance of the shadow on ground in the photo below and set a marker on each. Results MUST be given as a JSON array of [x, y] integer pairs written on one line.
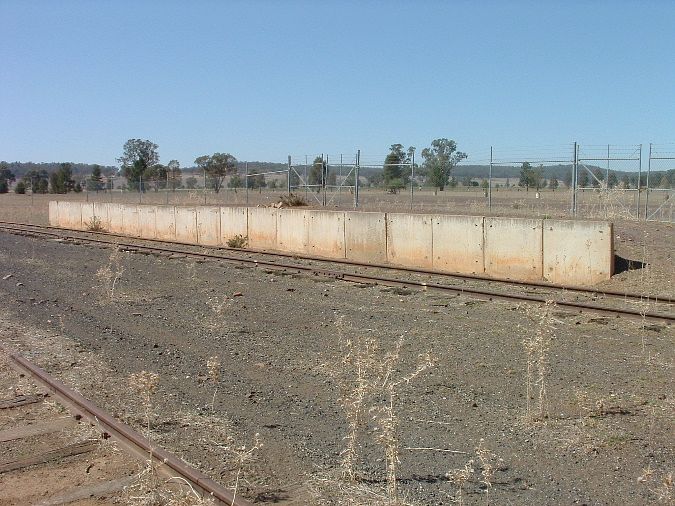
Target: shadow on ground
[[624, 264]]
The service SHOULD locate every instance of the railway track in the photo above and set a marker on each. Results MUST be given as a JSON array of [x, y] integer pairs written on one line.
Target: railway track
[[43, 446], [645, 307]]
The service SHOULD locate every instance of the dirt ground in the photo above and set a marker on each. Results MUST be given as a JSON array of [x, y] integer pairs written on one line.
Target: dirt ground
[[300, 358]]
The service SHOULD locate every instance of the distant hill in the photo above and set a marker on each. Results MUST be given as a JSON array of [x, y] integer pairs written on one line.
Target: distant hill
[[79, 169]]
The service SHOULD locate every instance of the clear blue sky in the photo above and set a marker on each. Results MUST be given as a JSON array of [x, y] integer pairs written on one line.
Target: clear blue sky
[[264, 79]]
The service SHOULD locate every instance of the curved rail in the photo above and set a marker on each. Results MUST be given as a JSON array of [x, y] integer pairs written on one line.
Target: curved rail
[[364, 278], [126, 436]]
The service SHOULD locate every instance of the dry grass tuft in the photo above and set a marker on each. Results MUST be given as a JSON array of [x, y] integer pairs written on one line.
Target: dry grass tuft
[[537, 345], [238, 241], [213, 368], [292, 200], [659, 486], [95, 225], [370, 385], [109, 274]]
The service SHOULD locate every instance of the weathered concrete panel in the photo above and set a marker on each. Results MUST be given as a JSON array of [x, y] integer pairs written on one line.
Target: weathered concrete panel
[[131, 221], [116, 218], [326, 233], [578, 252], [208, 225], [53, 213], [409, 240], [292, 230], [186, 224], [70, 215], [165, 223], [513, 248], [262, 227], [458, 244], [146, 220], [233, 222], [101, 212], [366, 237], [87, 210]]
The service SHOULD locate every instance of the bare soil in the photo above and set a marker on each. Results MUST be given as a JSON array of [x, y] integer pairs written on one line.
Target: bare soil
[[284, 342]]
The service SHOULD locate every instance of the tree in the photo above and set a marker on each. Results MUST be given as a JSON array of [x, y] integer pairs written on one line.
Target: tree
[[598, 179], [315, 177], [257, 181], [174, 174], [191, 183], [235, 182], [20, 188], [625, 182], [77, 188], [665, 182], [527, 176], [216, 167], [37, 181], [6, 177], [453, 182], [62, 181], [156, 176], [612, 180], [439, 160], [394, 173], [95, 181], [567, 179], [582, 179], [553, 183], [485, 184], [466, 181], [139, 157]]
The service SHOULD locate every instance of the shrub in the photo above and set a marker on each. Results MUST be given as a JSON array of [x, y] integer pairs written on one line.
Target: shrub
[[292, 200], [20, 188], [238, 241], [95, 225]]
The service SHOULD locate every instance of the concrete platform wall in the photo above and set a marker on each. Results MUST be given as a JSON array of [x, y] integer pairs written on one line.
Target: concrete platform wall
[[54, 213], [165, 223], [186, 224], [292, 231], [458, 244], [233, 222], [208, 226], [131, 223], [578, 252], [101, 212], [410, 240], [146, 222], [116, 218], [262, 228], [513, 248], [560, 251], [366, 237], [326, 233]]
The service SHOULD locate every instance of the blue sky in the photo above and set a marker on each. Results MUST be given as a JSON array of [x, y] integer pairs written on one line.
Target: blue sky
[[265, 79]]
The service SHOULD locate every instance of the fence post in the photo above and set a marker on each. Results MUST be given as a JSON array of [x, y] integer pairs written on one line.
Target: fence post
[[639, 184], [356, 179], [412, 180], [574, 181], [246, 181], [289, 174], [649, 170], [490, 183]]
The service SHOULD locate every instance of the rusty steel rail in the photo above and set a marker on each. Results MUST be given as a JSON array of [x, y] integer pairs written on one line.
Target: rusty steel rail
[[129, 438], [380, 280], [412, 270]]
